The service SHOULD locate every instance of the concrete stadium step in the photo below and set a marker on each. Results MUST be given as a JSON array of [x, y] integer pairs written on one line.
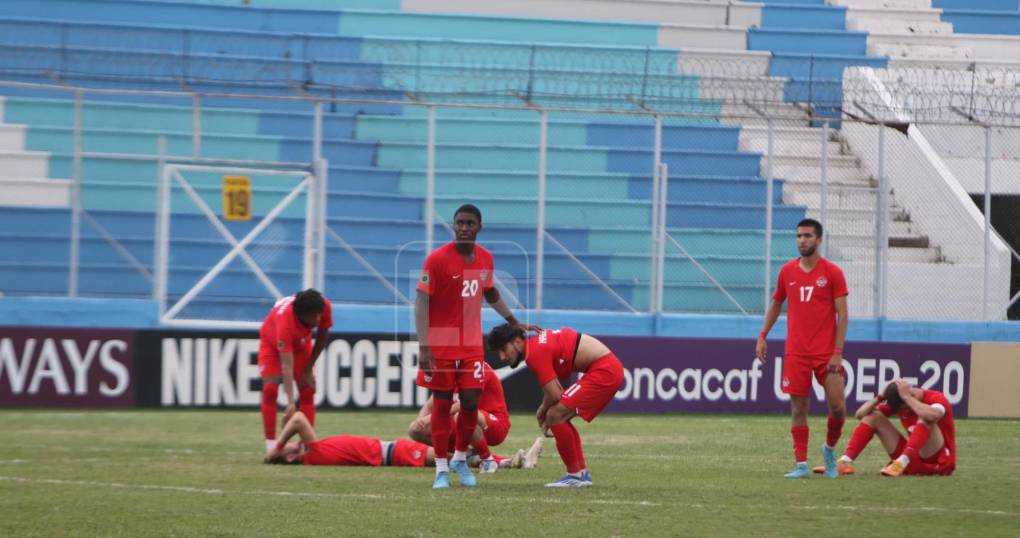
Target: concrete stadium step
[[804, 134], [35, 192], [783, 146], [12, 136], [839, 196], [907, 50], [880, 4], [709, 62], [20, 163], [898, 25], [737, 88], [794, 173], [689, 36], [984, 47]]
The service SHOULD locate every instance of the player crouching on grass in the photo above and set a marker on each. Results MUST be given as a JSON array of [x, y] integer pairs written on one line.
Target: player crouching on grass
[[354, 450], [552, 356], [929, 448]]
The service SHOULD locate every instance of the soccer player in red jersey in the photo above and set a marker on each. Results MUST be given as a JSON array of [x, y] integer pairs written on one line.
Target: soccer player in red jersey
[[552, 356], [344, 449], [493, 422], [286, 350], [448, 320], [816, 324], [930, 445]]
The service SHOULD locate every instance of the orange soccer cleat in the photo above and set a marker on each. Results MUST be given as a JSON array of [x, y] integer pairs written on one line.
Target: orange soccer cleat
[[844, 468], [894, 469]]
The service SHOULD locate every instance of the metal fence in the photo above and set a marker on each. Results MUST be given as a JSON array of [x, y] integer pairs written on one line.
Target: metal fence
[[634, 207]]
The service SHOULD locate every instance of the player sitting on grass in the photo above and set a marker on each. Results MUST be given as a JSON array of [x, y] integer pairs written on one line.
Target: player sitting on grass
[[927, 416], [552, 356], [356, 450], [493, 422]]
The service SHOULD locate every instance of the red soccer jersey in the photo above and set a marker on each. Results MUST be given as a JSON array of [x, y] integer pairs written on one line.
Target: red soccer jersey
[[284, 330], [344, 450], [811, 314], [909, 419], [492, 399], [455, 288], [550, 354]]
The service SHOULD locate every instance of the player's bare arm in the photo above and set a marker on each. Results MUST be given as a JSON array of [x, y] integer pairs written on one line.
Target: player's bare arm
[[297, 425], [287, 364], [551, 393], [924, 412], [869, 407], [421, 326], [495, 300], [761, 348], [842, 321], [321, 338]]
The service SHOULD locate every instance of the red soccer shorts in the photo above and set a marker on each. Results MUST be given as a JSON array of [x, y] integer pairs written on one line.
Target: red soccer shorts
[[590, 394], [797, 370], [269, 361], [496, 428], [941, 463], [448, 376], [407, 453]]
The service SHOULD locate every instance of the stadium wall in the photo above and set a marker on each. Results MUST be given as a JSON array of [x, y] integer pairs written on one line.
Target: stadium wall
[[65, 367]]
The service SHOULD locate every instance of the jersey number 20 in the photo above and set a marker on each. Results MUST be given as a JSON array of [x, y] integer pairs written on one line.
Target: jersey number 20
[[469, 288]]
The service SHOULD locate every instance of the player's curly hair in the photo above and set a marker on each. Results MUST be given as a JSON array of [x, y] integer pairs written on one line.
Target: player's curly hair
[[500, 335], [891, 395], [309, 301]]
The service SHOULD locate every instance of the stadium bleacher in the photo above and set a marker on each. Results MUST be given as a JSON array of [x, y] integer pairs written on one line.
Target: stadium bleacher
[[599, 167]]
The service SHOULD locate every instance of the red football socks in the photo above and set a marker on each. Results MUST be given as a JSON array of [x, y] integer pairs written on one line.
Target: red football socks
[[917, 440], [800, 442], [568, 444], [482, 447], [306, 401], [858, 440], [467, 420], [441, 425], [834, 431], [269, 393]]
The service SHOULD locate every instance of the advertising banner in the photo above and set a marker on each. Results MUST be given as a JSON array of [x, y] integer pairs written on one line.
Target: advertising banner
[[355, 371], [723, 376], [62, 367]]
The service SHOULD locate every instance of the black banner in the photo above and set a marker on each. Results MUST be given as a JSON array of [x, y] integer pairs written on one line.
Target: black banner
[[355, 371]]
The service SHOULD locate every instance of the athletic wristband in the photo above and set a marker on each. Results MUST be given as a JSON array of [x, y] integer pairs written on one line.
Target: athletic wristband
[[763, 335]]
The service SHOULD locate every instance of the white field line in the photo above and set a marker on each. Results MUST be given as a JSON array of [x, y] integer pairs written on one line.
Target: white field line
[[542, 500]]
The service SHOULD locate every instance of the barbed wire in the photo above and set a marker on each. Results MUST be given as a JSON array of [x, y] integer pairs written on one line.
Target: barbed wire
[[479, 72]]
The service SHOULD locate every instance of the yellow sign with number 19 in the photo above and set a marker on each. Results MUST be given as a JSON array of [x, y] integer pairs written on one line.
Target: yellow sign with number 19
[[236, 198]]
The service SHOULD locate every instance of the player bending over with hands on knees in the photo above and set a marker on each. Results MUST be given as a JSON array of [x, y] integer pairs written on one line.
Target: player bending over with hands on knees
[[930, 445], [552, 356]]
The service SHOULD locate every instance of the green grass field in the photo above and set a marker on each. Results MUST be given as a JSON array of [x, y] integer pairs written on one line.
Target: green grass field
[[198, 473]]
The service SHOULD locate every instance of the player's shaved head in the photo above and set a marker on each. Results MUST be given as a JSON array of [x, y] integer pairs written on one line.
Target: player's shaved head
[[470, 209], [892, 397]]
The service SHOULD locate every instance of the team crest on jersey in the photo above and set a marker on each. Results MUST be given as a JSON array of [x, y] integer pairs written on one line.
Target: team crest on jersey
[[425, 278], [786, 382], [822, 282], [483, 275]]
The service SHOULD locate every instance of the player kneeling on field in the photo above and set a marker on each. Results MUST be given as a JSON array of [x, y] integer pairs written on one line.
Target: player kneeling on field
[[553, 356], [930, 445]]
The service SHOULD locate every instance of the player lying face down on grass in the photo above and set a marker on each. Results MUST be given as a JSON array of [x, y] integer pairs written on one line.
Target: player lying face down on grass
[[493, 422], [353, 450], [552, 356], [929, 447]]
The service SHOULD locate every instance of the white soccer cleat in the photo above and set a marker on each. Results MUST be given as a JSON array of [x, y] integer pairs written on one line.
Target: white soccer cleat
[[531, 456], [488, 466]]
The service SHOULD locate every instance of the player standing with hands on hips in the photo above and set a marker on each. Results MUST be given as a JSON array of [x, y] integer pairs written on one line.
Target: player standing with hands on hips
[[448, 320], [815, 332]]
